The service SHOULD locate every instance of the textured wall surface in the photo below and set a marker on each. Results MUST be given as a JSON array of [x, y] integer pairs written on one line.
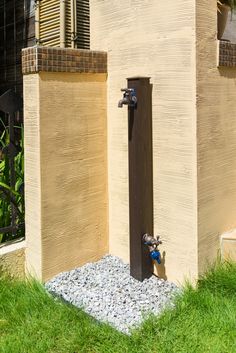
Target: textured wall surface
[[32, 174], [216, 138], [228, 245], [156, 39], [66, 170], [12, 259], [194, 141]]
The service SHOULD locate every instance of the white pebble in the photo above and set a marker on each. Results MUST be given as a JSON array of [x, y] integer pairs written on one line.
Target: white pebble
[[106, 291]]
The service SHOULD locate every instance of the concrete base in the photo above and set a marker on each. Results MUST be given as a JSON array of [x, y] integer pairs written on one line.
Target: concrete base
[[228, 245], [12, 259]]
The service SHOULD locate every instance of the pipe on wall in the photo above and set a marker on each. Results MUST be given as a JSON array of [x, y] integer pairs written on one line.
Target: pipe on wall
[[62, 23], [75, 16], [37, 23], [73, 7]]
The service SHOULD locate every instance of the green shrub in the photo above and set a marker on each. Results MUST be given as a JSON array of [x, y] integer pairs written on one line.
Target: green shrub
[[6, 192]]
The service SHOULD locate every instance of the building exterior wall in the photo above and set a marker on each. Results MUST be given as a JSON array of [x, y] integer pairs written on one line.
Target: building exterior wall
[[67, 138], [155, 39], [32, 174], [216, 138], [66, 171], [12, 259]]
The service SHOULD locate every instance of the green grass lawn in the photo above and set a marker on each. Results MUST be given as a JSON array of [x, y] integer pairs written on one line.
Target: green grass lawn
[[204, 320]]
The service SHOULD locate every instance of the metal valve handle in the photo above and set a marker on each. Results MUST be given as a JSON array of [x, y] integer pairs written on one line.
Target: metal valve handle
[[127, 90], [153, 243]]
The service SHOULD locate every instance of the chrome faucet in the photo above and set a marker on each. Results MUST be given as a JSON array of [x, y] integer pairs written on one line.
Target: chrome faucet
[[129, 98]]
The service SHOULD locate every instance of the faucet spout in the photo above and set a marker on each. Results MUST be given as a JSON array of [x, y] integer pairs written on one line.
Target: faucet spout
[[120, 103], [129, 98]]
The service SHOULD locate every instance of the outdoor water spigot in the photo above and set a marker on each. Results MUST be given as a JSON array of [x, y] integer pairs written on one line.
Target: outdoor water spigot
[[129, 98], [152, 244], [151, 241]]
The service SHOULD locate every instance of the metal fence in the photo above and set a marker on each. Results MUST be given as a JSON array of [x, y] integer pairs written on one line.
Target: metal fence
[[11, 169]]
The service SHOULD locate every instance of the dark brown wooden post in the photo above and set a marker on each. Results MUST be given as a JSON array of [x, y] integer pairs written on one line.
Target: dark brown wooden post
[[140, 177]]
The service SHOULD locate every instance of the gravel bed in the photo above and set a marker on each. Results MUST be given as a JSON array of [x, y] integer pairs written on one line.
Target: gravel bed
[[106, 291]]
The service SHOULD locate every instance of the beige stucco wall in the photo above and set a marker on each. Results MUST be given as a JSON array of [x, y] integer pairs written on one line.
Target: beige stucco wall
[[66, 171], [32, 174], [216, 138], [194, 141], [156, 39], [12, 259]]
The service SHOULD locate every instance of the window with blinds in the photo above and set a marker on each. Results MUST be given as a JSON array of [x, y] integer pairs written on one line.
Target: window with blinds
[[83, 24], [49, 24]]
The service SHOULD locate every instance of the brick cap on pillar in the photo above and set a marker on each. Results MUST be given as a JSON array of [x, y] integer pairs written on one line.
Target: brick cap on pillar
[[226, 54], [48, 59]]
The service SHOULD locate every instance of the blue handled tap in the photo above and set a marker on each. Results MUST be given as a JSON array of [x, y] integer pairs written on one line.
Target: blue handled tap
[[156, 256]]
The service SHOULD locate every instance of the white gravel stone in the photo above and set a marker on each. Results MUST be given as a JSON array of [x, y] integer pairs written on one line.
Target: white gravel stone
[[106, 291]]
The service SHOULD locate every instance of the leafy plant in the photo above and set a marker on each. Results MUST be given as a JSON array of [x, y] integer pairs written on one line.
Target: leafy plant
[[230, 3], [9, 195]]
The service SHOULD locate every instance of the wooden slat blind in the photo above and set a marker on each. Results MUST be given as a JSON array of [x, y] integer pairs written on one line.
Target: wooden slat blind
[[50, 23]]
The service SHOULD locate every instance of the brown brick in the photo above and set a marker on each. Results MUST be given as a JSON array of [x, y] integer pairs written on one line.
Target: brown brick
[[66, 60], [227, 54]]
